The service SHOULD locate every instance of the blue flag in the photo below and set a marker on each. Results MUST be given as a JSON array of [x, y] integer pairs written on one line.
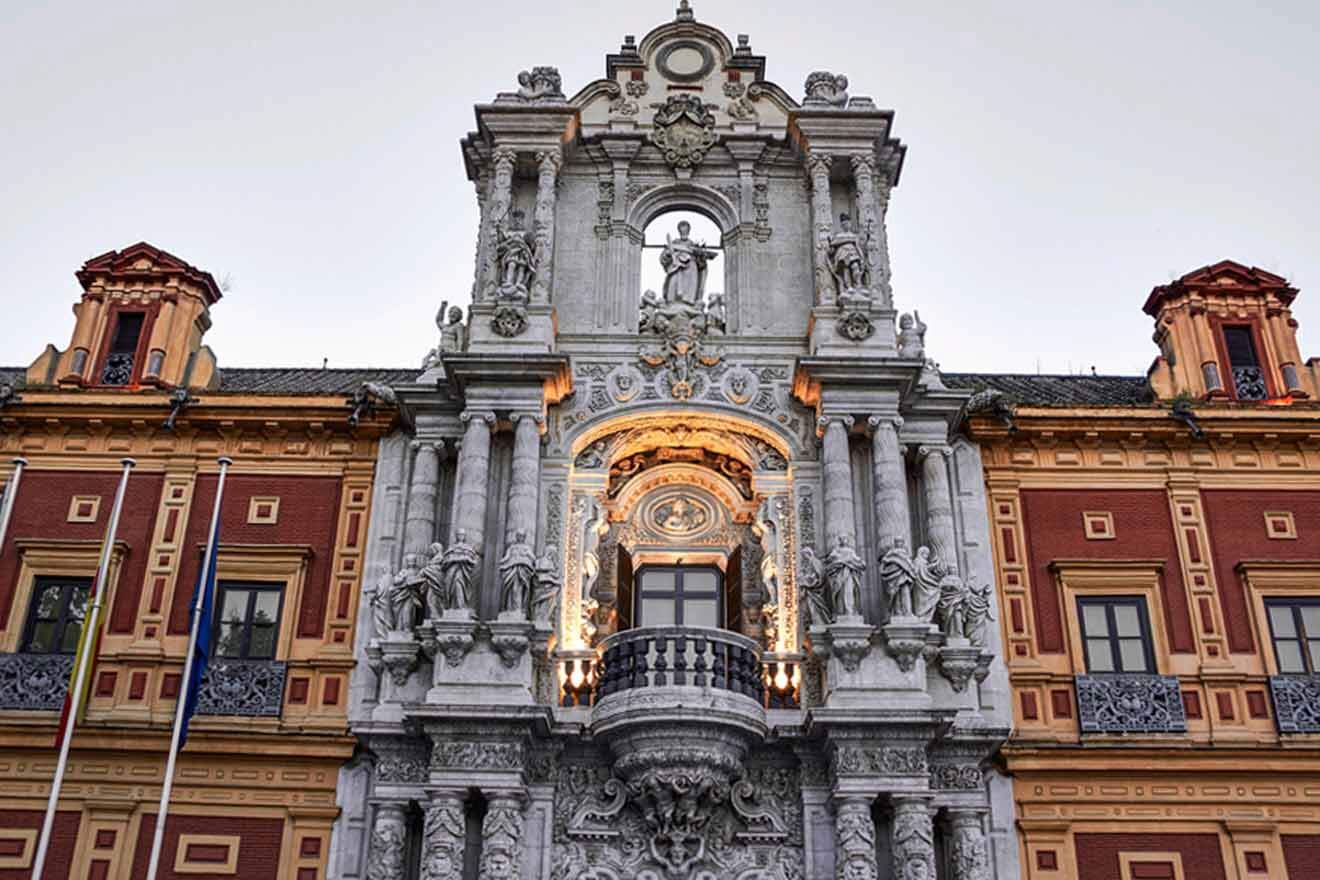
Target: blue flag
[[202, 652]]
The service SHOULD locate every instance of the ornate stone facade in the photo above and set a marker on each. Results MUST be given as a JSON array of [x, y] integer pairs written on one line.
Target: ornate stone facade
[[649, 524]]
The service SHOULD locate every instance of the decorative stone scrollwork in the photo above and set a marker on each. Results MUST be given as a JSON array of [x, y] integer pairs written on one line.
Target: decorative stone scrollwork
[[855, 760], [449, 754], [1124, 703], [402, 767], [509, 320], [956, 777], [684, 130]]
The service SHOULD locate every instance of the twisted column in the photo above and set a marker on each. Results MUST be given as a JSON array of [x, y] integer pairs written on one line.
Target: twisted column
[[524, 478], [473, 490], [854, 839], [913, 842], [501, 195], [419, 526], [502, 833], [939, 505], [840, 520], [822, 209], [969, 854], [547, 177], [389, 835], [892, 520]]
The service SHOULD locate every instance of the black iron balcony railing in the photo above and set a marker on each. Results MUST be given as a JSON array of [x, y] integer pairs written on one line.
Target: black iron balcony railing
[[1130, 703], [242, 687], [118, 370], [664, 656], [1296, 703], [34, 682], [1249, 383]]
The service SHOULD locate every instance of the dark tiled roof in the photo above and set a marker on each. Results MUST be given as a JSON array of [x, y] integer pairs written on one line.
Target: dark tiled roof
[[308, 380], [1033, 390]]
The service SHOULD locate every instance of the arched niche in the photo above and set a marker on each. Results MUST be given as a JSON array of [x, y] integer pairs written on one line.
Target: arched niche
[[760, 444]]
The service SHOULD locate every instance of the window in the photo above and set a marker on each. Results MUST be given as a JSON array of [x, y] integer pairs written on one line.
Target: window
[[702, 232], [1116, 635], [1248, 380], [679, 594], [1295, 627], [55, 621], [119, 360], [248, 623]]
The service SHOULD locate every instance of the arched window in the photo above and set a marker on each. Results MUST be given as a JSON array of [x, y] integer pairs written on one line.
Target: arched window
[[704, 238]]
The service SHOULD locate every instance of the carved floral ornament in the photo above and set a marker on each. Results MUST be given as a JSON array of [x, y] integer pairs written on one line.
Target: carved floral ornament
[[684, 130], [740, 440]]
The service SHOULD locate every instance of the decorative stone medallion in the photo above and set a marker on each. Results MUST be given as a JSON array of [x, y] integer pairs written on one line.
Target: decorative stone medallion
[[684, 130], [509, 321]]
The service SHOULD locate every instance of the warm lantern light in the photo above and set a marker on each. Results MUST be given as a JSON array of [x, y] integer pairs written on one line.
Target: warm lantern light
[[577, 677], [781, 679]]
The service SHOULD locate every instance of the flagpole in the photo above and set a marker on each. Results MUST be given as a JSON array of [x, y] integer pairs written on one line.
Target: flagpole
[[90, 623], [11, 495], [181, 705]]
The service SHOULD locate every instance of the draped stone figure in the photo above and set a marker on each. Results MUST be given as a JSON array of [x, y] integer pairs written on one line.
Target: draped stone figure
[[767, 530], [514, 249], [457, 565], [952, 605], [977, 607], [395, 604], [596, 527], [517, 569], [811, 577], [549, 581], [431, 580], [684, 262], [844, 569], [846, 261], [911, 584]]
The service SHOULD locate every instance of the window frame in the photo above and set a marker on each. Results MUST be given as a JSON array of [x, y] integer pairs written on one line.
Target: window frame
[[677, 595], [1252, 326], [255, 588], [1293, 604], [1109, 603], [148, 314], [39, 584]]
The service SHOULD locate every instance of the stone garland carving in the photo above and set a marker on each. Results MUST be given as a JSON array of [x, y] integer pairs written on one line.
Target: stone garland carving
[[854, 841], [385, 855], [684, 130], [450, 754], [402, 766], [912, 846], [824, 88], [855, 760], [604, 207], [444, 835], [501, 832], [956, 777], [969, 856]]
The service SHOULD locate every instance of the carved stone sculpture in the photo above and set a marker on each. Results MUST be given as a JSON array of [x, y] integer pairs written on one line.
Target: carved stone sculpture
[[716, 313], [385, 856], [683, 129], [854, 841], [684, 262], [843, 568], [911, 584], [444, 835], [395, 604], [681, 317], [825, 88], [811, 578], [432, 581], [912, 847], [951, 606], [969, 856], [549, 582], [977, 605], [501, 832], [847, 263], [515, 250], [517, 568], [911, 336], [647, 313], [453, 334], [766, 528], [457, 566], [597, 525], [541, 84]]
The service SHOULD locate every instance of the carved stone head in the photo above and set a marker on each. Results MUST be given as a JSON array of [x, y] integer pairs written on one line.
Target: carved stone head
[[684, 228], [456, 315]]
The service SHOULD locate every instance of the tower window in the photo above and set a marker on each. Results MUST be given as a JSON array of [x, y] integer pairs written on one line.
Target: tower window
[[119, 360], [1248, 379]]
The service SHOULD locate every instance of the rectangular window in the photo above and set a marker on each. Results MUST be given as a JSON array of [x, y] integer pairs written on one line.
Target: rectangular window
[[1295, 628], [56, 616], [1116, 634], [683, 595], [1248, 379], [247, 620], [119, 360]]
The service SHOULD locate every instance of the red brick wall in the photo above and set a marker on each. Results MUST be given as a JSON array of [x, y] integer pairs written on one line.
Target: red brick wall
[[1236, 525], [1143, 529], [1097, 854], [63, 839], [41, 510], [1302, 855], [258, 853], [308, 514]]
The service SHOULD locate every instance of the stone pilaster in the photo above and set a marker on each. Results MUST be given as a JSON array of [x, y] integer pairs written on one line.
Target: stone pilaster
[[840, 520], [389, 843], [548, 163], [502, 837], [969, 854], [822, 219], [892, 520], [854, 839], [444, 836], [419, 527], [501, 196], [872, 225], [472, 490], [939, 505], [912, 847], [525, 477]]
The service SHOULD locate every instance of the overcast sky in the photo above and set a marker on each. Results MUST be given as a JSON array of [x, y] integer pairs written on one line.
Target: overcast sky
[[1063, 157]]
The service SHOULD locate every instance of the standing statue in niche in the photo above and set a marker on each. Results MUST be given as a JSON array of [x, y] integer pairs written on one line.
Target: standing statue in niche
[[911, 583], [430, 580], [514, 249], [517, 568], [911, 336], [684, 262], [457, 565], [977, 606], [847, 264], [843, 568], [394, 606], [811, 576], [767, 530], [595, 529], [952, 605], [545, 600]]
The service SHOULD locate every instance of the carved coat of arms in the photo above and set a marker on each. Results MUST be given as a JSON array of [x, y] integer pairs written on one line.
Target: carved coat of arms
[[684, 130]]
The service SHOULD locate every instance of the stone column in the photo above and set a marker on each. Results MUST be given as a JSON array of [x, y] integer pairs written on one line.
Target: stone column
[[870, 225], [547, 165], [840, 520], [524, 477], [385, 858], [892, 520], [854, 839], [472, 490], [482, 186], [502, 837], [822, 211], [444, 836], [939, 505], [969, 855], [913, 844], [419, 526], [501, 195]]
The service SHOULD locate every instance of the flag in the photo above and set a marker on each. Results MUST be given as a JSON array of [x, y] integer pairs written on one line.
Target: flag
[[89, 643], [202, 650]]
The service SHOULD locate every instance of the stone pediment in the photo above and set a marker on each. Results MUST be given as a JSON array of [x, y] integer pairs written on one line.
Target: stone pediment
[[143, 262]]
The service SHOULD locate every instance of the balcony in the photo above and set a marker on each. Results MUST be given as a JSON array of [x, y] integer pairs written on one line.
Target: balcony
[[1296, 703], [254, 688], [665, 656], [1127, 703], [34, 682]]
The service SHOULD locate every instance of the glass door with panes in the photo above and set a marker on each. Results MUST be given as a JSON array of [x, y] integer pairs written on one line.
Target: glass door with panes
[[686, 595]]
